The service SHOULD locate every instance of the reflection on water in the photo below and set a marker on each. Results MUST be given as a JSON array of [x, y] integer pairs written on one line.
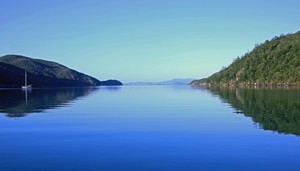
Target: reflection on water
[[149, 128], [272, 109], [19, 103]]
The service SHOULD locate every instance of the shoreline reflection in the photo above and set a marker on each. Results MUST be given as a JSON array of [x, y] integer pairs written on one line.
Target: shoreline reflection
[[19, 103], [272, 109]]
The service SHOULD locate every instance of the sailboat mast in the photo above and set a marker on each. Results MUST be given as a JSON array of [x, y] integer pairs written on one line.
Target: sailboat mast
[[25, 78]]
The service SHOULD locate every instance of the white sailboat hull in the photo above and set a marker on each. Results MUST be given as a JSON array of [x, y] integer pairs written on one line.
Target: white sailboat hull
[[26, 87]]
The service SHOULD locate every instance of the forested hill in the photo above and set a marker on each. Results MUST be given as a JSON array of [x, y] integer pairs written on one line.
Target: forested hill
[[275, 62], [43, 73]]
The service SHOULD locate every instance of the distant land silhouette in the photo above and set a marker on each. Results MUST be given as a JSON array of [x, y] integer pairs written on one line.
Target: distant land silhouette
[[273, 63], [43, 73], [176, 81]]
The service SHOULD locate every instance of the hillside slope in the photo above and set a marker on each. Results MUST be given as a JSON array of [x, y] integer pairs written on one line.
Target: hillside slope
[[275, 62], [41, 73]]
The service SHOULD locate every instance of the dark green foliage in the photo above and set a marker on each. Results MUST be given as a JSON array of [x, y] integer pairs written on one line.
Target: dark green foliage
[[275, 61], [111, 82], [41, 73], [11, 76]]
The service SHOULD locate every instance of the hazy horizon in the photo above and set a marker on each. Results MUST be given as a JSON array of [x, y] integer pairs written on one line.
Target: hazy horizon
[[142, 40]]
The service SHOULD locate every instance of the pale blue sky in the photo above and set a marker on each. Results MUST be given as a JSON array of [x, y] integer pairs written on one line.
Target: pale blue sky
[[142, 40]]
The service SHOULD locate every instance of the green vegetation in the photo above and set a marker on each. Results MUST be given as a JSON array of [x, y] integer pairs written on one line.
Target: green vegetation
[[274, 62], [272, 109], [43, 73]]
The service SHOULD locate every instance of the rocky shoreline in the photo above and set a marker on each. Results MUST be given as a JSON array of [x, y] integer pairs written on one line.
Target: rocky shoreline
[[204, 84]]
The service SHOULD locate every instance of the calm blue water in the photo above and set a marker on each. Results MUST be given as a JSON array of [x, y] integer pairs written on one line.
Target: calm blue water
[[149, 129]]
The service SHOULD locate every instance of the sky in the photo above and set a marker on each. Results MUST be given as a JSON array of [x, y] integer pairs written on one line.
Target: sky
[[142, 40]]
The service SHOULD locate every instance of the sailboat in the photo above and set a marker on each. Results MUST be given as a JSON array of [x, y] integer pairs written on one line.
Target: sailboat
[[26, 87]]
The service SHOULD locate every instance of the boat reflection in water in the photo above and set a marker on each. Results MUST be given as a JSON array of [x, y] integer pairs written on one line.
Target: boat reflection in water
[[17, 103], [272, 109]]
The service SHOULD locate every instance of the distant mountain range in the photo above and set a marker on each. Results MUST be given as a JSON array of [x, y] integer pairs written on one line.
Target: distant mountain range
[[176, 81], [43, 73], [275, 62]]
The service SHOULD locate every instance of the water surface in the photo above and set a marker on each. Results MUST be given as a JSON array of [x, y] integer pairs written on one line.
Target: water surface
[[149, 128]]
